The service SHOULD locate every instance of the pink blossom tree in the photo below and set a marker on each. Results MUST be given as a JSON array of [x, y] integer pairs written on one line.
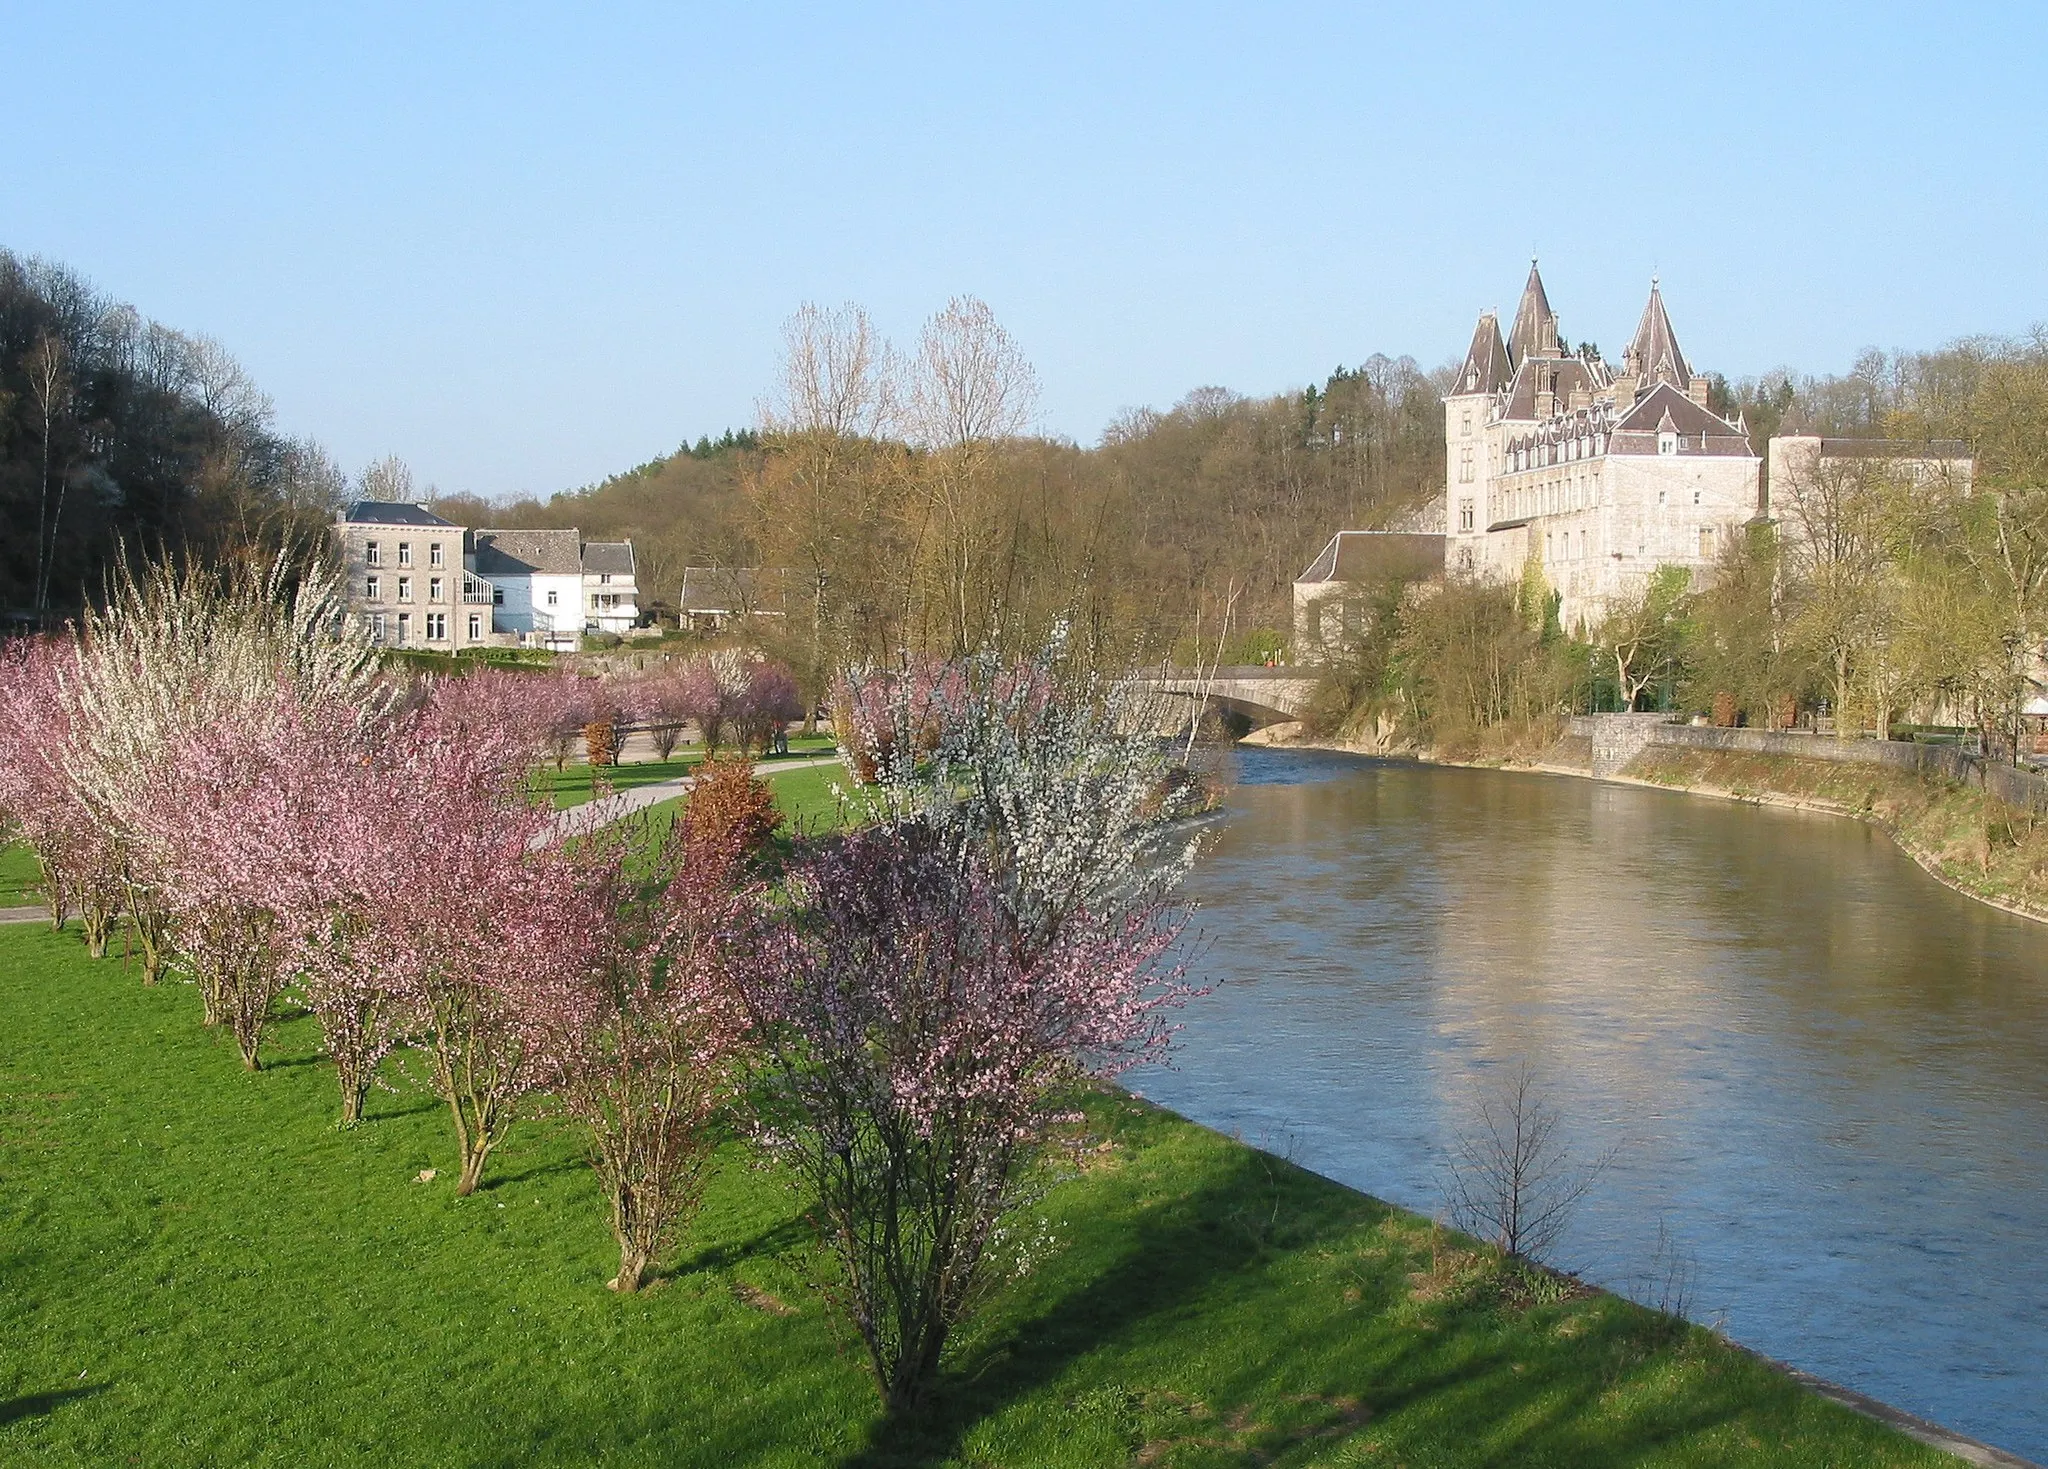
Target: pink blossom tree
[[921, 1052], [767, 704], [81, 860], [643, 1045]]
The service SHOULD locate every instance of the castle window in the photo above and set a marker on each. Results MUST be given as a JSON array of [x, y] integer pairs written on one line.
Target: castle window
[[1706, 543], [1695, 497], [1465, 516], [1465, 427]]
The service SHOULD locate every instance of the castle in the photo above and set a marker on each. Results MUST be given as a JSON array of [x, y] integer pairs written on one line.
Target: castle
[[1597, 475]]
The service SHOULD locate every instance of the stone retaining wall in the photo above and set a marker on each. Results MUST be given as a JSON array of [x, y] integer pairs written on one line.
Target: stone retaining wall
[[1619, 738]]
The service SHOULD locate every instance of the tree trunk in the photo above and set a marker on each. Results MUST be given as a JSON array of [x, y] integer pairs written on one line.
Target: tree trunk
[[633, 1263], [353, 1095], [472, 1170]]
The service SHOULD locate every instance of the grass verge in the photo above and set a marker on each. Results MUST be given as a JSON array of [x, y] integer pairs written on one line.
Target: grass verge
[[571, 785], [197, 1268], [20, 877], [1969, 839]]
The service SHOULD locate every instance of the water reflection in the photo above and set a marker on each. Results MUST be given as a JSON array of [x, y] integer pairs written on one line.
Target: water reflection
[[1827, 1074]]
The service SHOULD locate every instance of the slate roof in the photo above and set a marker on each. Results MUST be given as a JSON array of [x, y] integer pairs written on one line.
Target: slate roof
[[1535, 331], [613, 558], [1665, 409], [391, 512], [1654, 355], [1486, 368], [1367, 555], [1562, 376], [524, 552]]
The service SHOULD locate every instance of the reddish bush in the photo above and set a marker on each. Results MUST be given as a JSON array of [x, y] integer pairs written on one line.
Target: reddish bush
[[731, 810]]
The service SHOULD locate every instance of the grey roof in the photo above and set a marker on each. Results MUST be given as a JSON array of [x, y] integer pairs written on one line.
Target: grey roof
[[523, 552], [1535, 331], [1654, 356], [1559, 376], [1665, 409], [1369, 555], [391, 512], [1486, 368], [614, 558]]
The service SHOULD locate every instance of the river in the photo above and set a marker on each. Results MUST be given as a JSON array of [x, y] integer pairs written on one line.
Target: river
[[1823, 1075]]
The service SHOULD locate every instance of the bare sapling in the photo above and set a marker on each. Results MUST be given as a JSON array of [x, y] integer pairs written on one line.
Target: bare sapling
[[1512, 1180]]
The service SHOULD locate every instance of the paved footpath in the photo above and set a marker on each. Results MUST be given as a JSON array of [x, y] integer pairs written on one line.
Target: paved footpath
[[581, 820], [24, 915]]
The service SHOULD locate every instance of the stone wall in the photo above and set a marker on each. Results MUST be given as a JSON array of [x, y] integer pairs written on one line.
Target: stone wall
[[1619, 738]]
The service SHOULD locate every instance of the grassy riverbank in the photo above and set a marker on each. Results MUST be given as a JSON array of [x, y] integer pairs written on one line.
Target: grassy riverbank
[[1970, 840], [197, 1268]]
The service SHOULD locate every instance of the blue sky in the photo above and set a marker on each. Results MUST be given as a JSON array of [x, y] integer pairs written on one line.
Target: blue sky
[[525, 246]]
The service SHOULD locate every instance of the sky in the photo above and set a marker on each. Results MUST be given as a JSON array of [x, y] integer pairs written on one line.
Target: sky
[[524, 247]]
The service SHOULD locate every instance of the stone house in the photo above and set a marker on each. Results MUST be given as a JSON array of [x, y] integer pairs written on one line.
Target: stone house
[[410, 575]]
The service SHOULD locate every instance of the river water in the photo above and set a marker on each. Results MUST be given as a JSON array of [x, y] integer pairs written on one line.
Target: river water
[[1823, 1075]]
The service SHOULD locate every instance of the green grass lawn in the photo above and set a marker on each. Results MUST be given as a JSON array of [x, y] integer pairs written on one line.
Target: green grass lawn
[[19, 877], [571, 785], [197, 1268]]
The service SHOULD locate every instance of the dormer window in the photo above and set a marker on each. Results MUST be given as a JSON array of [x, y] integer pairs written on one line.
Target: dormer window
[[1667, 443]]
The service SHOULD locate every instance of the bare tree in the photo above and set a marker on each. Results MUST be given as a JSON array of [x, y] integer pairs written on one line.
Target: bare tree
[[49, 385], [389, 480], [1513, 1181], [972, 391], [838, 376]]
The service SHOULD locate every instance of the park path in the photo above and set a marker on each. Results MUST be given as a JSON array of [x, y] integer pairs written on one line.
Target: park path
[[575, 821], [582, 820]]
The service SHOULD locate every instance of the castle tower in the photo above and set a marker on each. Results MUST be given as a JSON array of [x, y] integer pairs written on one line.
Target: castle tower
[[1535, 333], [1467, 408]]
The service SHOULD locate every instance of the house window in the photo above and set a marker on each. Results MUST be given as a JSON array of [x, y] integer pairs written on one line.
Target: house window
[[476, 627], [405, 589], [604, 578], [405, 553], [1660, 497], [371, 555], [404, 628], [1706, 543], [373, 587], [1695, 497], [1465, 515], [434, 555], [434, 589], [376, 627], [497, 596], [437, 627], [553, 598]]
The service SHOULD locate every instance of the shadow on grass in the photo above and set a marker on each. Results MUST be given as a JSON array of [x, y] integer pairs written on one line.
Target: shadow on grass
[[1176, 1251], [527, 1175], [767, 1244], [35, 1405]]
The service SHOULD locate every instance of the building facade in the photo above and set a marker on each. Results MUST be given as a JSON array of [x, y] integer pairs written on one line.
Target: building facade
[[410, 575], [424, 582], [1599, 475]]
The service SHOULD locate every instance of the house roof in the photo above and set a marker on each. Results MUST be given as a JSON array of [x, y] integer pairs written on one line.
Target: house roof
[[1369, 555], [391, 512], [1486, 368], [1535, 330], [525, 552], [1664, 409], [1560, 376], [612, 558], [1654, 355]]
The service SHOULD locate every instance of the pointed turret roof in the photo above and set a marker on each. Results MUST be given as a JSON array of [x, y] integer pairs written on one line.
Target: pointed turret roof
[[1535, 333], [1486, 368], [1654, 356]]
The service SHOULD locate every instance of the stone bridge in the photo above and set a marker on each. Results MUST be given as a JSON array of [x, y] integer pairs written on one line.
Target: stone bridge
[[1251, 692]]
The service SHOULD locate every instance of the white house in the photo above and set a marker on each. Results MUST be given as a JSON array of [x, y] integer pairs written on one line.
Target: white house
[[552, 586]]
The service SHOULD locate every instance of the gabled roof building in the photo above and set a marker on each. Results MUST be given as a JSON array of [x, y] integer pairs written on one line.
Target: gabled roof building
[[1599, 474]]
